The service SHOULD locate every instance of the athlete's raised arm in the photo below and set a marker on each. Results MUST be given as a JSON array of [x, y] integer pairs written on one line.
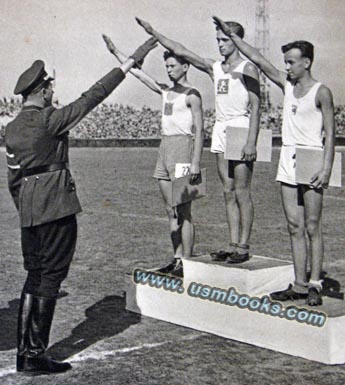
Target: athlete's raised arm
[[197, 61], [138, 73], [278, 77]]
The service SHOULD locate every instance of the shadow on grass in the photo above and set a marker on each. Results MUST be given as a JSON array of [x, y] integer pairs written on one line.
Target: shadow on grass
[[105, 318], [8, 325]]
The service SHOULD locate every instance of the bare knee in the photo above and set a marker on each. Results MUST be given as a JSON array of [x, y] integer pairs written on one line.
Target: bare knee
[[296, 229], [313, 227], [242, 194]]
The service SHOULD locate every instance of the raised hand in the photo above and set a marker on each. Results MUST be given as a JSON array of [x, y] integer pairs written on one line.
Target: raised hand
[[110, 45], [222, 26], [147, 27]]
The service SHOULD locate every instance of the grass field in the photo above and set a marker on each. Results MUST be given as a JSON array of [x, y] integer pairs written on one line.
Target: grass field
[[124, 225]]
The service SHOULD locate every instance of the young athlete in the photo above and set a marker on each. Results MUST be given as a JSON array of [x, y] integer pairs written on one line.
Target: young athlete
[[182, 142], [237, 98], [308, 114]]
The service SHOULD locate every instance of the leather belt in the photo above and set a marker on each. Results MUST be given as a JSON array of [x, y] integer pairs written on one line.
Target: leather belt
[[45, 168]]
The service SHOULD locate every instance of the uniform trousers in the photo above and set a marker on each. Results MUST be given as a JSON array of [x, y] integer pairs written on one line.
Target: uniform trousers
[[48, 251]]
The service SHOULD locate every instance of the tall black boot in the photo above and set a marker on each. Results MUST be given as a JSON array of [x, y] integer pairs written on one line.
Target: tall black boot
[[36, 362], [23, 327]]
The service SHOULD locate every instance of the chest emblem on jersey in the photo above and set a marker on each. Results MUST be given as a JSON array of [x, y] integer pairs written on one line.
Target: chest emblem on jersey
[[168, 108], [222, 86], [294, 109]]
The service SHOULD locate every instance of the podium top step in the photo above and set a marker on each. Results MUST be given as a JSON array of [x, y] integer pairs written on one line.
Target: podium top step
[[256, 262]]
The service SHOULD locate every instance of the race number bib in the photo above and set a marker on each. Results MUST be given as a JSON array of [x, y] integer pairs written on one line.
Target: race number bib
[[182, 169]]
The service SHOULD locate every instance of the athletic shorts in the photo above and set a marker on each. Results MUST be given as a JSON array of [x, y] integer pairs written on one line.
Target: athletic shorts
[[287, 165], [173, 149], [219, 132]]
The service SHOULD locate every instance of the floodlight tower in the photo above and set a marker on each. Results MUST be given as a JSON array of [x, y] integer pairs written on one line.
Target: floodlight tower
[[262, 43]]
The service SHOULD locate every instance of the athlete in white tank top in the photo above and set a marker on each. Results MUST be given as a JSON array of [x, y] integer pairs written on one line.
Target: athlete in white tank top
[[302, 119], [177, 118], [231, 96]]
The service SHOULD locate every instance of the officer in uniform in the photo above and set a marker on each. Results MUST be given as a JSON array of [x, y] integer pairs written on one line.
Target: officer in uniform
[[44, 193]]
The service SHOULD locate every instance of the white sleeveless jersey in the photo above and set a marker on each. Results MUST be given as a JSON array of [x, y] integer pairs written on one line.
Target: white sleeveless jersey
[[302, 120], [231, 96], [177, 117]]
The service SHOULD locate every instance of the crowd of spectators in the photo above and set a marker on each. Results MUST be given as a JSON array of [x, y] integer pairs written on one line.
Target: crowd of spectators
[[109, 121]]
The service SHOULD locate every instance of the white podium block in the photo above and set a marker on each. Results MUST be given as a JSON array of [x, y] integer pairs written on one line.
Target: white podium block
[[321, 341], [309, 160], [258, 276], [183, 191], [236, 138]]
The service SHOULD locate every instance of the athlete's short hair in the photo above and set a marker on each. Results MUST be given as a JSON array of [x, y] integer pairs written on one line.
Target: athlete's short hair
[[236, 28], [306, 48], [180, 59]]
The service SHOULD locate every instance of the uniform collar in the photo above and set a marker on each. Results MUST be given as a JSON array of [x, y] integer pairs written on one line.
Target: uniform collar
[[31, 108]]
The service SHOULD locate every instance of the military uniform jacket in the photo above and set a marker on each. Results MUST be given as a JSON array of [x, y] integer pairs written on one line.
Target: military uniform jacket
[[39, 137]]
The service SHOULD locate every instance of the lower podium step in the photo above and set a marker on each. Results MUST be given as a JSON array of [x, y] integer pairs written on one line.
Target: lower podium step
[[225, 310]]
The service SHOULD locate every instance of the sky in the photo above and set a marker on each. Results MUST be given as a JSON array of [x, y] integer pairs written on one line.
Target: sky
[[66, 34]]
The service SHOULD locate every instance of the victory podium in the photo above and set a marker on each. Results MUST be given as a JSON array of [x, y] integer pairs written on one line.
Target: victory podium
[[205, 300]]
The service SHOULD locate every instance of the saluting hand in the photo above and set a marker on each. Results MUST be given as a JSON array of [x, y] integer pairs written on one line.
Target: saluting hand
[[147, 27], [109, 43], [222, 26]]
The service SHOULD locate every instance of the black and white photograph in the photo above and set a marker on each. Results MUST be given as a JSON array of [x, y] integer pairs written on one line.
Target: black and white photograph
[[172, 192]]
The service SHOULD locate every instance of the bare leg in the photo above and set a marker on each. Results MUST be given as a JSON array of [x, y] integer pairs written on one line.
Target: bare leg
[[243, 176], [185, 221], [313, 221], [294, 212], [175, 228], [231, 206]]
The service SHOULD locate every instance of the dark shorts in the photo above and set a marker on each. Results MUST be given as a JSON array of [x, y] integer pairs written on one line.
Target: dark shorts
[[173, 149]]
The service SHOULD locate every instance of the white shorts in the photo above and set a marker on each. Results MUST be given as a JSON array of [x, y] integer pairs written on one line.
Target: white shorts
[[219, 132], [287, 165]]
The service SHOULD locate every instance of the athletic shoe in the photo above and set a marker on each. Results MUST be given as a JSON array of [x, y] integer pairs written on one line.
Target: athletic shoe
[[178, 270], [314, 297], [221, 256], [237, 258], [287, 295], [168, 268]]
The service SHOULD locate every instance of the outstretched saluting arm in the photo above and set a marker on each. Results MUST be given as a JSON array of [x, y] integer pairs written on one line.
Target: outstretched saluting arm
[[138, 73], [64, 119], [278, 77], [198, 62]]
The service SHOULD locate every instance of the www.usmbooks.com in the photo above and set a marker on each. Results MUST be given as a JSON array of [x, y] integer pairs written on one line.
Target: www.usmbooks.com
[[230, 297]]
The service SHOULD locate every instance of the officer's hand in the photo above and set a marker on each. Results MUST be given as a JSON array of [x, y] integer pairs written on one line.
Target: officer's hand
[[109, 43], [147, 27], [139, 54]]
